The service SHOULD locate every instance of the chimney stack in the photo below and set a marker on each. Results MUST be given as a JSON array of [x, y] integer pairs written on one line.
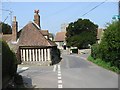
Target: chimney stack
[[14, 29], [37, 17]]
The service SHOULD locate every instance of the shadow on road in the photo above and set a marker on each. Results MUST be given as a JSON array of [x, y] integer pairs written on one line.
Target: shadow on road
[[27, 82]]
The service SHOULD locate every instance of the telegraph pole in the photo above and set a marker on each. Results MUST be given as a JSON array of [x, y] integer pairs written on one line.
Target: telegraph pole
[[119, 10]]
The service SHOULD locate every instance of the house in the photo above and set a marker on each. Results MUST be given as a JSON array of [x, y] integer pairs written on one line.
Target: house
[[100, 32], [31, 44], [60, 40]]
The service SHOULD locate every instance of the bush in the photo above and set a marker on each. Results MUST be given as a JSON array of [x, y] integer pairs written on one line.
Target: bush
[[9, 62], [55, 55], [18, 79], [109, 48], [95, 51]]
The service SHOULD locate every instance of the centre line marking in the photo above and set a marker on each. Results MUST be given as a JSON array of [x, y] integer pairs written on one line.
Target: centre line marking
[[59, 81], [60, 86], [59, 77], [59, 72]]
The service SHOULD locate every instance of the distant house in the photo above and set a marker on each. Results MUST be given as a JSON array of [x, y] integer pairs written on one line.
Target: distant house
[[60, 40], [100, 32], [31, 43]]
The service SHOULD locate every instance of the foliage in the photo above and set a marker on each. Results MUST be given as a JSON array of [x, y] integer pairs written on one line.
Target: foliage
[[6, 29], [81, 33], [51, 35], [18, 80], [55, 55], [9, 61], [109, 48], [106, 65], [95, 51]]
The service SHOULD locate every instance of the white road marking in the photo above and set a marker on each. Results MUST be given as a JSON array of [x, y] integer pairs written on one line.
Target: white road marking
[[60, 86], [58, 66], [54, 68], [59, 77], [59, 74], [59, 81]]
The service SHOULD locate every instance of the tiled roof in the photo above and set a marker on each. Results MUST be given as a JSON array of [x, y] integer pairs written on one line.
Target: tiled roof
[[52, 43], [32, 36], [44, 32], [60, 36], [7, 37]]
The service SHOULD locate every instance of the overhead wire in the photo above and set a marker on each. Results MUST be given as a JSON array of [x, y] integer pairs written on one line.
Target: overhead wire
[[93, 8]]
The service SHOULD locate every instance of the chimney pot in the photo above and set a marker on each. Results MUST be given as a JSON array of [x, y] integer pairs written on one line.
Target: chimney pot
[[37, 17]]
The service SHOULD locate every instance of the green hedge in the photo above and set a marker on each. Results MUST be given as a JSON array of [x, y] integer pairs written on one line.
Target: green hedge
[[55, 55], [109, 48], [9, 62]]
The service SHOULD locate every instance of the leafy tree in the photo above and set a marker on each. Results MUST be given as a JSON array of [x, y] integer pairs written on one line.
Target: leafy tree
[[6, 29], [81, 33]]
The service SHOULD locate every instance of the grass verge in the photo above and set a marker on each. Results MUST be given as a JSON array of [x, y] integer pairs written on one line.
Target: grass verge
[[106, 65]]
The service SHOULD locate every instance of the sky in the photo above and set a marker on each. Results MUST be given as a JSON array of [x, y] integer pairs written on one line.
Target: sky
[[53, 14]]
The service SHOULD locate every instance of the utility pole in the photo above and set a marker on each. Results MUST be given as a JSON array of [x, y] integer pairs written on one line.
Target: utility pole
[[119, 10]]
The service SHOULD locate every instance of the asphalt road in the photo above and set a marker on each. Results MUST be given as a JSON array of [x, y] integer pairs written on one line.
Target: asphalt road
[[77, 72], [74, 71]]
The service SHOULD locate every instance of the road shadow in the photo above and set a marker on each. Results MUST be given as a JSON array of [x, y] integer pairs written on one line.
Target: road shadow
[[27, 82], [55, 56]]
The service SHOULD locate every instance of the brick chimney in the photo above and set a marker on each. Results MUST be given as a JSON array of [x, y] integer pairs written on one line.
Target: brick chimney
[[14, 29], [37, 17]]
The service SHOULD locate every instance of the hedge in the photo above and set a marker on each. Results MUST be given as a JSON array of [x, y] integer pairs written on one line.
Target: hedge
[[9, 62], [109, 47]]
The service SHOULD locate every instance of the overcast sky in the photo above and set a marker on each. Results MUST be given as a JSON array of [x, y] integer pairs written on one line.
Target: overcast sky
[[53, 14]]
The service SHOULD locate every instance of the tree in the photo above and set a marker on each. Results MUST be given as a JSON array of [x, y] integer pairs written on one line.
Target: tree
[[6, 29], [81, 33]]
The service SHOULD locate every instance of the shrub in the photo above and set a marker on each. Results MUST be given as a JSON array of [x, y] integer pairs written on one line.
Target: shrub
[[55, 55], [95, 51], [9, 62], [109, 48]]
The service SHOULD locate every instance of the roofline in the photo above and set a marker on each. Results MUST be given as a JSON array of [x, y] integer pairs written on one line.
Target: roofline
[[36, 46]]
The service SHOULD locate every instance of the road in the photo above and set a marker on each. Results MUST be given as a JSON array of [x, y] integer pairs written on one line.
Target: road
[[74, 71]]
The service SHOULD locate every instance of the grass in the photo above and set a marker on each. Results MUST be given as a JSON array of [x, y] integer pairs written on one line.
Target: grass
[[106, 65]]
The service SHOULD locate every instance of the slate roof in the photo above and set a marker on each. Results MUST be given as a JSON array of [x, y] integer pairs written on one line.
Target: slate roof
[[32, 36], [60, 36]]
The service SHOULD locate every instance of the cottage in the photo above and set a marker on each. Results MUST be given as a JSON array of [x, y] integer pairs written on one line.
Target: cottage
[[31, 43], [60, 40]]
